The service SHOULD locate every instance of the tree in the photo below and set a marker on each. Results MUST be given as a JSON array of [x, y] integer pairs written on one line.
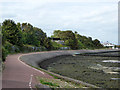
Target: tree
[[29, 34], [57, 33], [97, 43], [35, 36], [20, 36], [48, 43], [10, 31], [68, 37], [40, 36]]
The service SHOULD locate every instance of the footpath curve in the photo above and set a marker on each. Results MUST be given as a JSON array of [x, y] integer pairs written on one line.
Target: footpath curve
[[19, 75]]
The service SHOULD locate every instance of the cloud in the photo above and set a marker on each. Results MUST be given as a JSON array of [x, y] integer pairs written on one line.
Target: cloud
[[95, 18]]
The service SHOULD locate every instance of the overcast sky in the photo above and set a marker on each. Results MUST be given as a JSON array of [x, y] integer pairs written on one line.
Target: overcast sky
[[94, 18]]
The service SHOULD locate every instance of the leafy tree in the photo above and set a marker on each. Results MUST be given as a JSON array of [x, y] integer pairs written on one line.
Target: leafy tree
[[4, 53], [10, 31], [97, 44], [68, 37], [75, 40], [87, 42], [35, 36], [48, 43], [57, 33], [20, 36], [29, 34], [40, 36]]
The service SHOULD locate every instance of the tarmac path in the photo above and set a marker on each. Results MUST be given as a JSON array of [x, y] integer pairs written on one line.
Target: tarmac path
[[19, 75]]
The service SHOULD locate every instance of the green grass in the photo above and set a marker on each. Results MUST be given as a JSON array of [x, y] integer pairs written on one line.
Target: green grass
[[58, 83], [49, 83]]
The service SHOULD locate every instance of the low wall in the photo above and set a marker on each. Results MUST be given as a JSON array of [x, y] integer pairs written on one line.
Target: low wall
[[35, 58]]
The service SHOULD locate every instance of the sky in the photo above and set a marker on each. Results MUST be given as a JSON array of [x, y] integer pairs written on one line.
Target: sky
[[92, 18]]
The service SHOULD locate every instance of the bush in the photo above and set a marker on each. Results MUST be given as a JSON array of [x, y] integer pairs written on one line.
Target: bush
[[15, 49], [41, 48], [30, 48], [27, 48], [4, 53], [8, 47], [11, 48]]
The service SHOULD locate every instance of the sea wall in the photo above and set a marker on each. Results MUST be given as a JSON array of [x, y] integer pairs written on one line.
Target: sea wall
[[35, 58]]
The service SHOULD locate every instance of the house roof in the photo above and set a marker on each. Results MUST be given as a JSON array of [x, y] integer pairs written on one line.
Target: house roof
[[108, 44], [55, 38]]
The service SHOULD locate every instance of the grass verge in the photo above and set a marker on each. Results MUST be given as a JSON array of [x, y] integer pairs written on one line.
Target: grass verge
[[57, 83]]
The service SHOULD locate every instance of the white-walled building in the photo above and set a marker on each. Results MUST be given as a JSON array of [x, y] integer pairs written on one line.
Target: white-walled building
[[109, 45]]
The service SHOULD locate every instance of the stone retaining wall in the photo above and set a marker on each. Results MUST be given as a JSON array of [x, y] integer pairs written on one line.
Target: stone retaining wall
[[35, 58]]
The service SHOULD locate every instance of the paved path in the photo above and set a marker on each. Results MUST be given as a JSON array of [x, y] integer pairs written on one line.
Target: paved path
[[19, 75]]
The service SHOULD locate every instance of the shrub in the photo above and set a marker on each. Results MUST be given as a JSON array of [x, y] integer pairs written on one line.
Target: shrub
[[4, 53], [27, 48], [8, 47], [15, 49]]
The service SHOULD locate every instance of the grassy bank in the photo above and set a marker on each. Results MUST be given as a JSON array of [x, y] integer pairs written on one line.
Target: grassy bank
[[58, 83]]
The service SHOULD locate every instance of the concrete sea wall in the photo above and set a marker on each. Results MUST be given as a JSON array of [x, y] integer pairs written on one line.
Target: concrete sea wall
[[35, 58]]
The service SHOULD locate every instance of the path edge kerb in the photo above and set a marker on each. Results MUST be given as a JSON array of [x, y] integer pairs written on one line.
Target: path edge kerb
[[26, 63], [41, 70]]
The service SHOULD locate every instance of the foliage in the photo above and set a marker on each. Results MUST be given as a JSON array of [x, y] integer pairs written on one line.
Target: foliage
[[76, 41], [58, 83], [10, 32], [23, 37], [96, 43], [4, 53], [47, 43], [57, 46], [17, 37], [49, 83], [68, 37], [8, 46], [84, 42]]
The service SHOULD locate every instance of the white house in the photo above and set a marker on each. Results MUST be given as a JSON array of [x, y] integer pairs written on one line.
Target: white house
[[109, 45]]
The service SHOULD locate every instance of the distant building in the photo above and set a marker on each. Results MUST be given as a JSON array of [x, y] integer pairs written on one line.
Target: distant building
[[64, 48], [109, 45], [57, 40]]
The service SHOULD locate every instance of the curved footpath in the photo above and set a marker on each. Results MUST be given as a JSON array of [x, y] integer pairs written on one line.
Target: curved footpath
[[19, 75]]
